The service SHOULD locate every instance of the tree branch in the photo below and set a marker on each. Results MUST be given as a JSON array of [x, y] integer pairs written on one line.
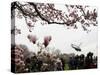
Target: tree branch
[[66, 21], [39, 14], [18, 6]]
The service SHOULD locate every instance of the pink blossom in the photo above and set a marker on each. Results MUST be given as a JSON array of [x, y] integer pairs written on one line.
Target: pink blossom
[[32, 38], [47, 39]]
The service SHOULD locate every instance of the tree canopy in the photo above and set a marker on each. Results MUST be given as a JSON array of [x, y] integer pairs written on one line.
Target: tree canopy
[[49, 14]]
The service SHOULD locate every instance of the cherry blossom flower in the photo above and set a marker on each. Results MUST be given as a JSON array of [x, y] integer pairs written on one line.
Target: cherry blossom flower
[[32, 38], [47, 39]]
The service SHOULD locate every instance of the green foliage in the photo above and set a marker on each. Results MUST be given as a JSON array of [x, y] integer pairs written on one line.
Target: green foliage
[[66, 67]]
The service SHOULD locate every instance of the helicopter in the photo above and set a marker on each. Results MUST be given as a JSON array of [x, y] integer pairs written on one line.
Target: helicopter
[[77, 48]]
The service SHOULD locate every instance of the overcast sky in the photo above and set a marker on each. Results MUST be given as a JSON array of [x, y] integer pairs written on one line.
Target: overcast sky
[[62, 38]]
